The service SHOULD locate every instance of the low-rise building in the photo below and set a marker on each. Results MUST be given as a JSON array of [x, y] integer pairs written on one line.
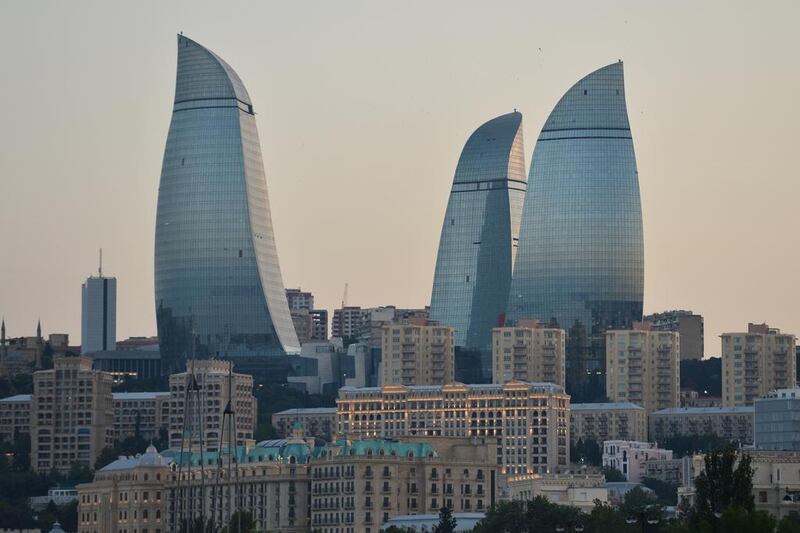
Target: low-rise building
[[673, 471], [732, 423], [56, 495], [317, 422], [630, 457], [574, 490], [777, 420], [126, 495], [607, 421], [530, 420], [528, 351], [15, 416], [691, 398]]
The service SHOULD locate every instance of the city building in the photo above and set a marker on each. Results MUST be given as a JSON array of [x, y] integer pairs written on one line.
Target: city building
[[72, 415], [777, 420], [218, 285], [690, 327], [128, 364], [319, 422], [23, 355], [356, 486], [643, 367], [127, 495], [98, 313], [299, 300], [580, 262], [528, 352], [198, 401], [15, 416], [607, 421], [573, 490], [301, 305], [465, 522], [140, 413], [146, 344], [755, 363], [349, 321], [673, 471], [530, 420], [417, 354], [318, 368], [732, 423], [57, 495], [691, 398], [630, 457], [479, 235], [319, 325]]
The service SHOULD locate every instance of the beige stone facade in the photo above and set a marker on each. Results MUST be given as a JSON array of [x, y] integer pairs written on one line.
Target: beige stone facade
[[216, 384], [643, 367], [530, 420], [143, 412], [528, 352], [574, 490], [732, 423], [607, 421], [755, 363], [72, 415], [358, 486], [416, 354], [127, 496]]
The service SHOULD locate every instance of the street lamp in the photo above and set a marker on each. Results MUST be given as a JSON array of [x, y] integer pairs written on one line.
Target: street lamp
[[644, 516], [577, 527]]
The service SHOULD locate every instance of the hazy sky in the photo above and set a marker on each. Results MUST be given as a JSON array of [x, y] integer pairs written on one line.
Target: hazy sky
[[363, 108]]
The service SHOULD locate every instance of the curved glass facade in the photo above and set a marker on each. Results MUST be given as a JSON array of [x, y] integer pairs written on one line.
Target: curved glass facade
[[581, 252], [218, 284], [479, 234]]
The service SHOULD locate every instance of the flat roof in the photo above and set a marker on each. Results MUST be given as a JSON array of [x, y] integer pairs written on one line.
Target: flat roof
[[139, 395], [17, 398], [605, 406], [705, 410], [308, 411]]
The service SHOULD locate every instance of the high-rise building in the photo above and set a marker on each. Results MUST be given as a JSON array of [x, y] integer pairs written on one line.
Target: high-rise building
[[218, 284], [529, 420], [319, 325], [98, 314], [349, 321], [528, 352], [299, 300], [688, 324], [199, 399], [580, 262], [755, 363], [644, 367], [417, 354], [479, 235], [72, 415], [777, 420]]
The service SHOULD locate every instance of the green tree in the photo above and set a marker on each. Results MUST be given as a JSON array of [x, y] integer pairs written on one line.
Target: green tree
[[724, 483], [667, 493], [241, 522], [739, 520], [506, 516], [613, 475], [789, 523], [587, 452], [447, 523], [605, 518]]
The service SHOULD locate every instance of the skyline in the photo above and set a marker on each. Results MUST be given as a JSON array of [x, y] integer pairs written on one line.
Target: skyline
[[709, 143]]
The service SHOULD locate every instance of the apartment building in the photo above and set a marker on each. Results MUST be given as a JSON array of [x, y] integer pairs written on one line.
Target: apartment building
[[755, 363], [142, 413], [357, 486], [317, 422], [349, 321], [127, 495], [530, 420], [630, 457], [528, 352], [607, 421], [197, 403], [417, 354], [643, 367], [72, 415], [690, 327], [732, 423], [15, 416]]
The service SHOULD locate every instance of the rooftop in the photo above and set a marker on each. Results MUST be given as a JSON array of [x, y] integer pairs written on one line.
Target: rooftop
[[17, 398], [309, 411], [139, 395], [605, 406], [705, 410]]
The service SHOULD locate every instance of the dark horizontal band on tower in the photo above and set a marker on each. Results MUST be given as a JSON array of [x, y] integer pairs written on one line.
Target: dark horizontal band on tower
[[214, 107], [584, 137], [490, 181], [490, 190], [589, 129]]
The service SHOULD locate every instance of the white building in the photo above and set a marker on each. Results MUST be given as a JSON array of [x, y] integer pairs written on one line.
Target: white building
[[630, 457], [99, 314]]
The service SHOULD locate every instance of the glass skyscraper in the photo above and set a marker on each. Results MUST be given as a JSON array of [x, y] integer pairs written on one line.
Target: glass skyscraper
[[218, 285], [479, 235], [581, 255]]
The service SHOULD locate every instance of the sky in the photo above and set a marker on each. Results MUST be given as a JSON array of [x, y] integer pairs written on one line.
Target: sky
[[363, 109]]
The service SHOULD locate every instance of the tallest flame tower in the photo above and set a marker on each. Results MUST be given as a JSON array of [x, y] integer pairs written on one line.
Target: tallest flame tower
[[218, 285]]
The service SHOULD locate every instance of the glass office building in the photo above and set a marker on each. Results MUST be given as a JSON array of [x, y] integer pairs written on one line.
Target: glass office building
[[580, 262], [479, 235], [218, 285]]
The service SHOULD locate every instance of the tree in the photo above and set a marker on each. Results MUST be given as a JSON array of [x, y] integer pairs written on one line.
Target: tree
[[739, 520], [723, 484], [605, 518], [789, 523], [241, 522], [447, 523], [587, 451], [506, 516], [667, 493], [613, 475]]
